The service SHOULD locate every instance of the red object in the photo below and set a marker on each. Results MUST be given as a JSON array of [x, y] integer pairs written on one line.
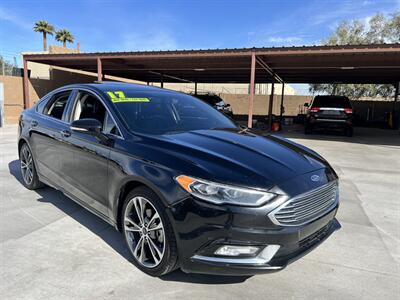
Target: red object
[[314, 109], [275, 126], [348, 110]]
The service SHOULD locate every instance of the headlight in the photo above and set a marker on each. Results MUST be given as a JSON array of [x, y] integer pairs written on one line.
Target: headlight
[[223, 194]]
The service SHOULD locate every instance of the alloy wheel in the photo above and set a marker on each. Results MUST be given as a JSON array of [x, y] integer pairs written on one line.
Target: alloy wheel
[[27, 165], [144, 232]]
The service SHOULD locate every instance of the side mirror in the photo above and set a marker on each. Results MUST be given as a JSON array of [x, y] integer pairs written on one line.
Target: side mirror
[[306, 104], [90, 126]]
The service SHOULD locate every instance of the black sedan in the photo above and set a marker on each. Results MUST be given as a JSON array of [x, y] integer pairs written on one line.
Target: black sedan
[[187, 187]]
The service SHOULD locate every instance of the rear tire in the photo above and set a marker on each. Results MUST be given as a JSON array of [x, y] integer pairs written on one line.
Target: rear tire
[[148, 233], [348, 132], [30, 178]]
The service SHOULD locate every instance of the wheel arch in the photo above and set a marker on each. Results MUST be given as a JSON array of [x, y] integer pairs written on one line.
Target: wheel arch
[[20, 143], [124, 190]]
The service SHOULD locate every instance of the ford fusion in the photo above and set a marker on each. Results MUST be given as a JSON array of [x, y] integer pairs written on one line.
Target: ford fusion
[[186, 186]]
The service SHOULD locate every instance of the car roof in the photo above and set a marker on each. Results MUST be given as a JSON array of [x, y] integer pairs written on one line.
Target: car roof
[[105, 86]]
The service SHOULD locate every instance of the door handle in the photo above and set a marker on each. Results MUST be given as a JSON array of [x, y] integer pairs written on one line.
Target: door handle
[[65, 133], [34, 123]]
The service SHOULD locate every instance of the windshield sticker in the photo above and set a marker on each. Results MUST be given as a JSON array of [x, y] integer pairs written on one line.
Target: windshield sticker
[[119, 96]]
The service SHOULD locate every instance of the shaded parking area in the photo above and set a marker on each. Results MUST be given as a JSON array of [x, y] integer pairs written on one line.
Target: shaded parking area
[[51, 248], [362, 64]]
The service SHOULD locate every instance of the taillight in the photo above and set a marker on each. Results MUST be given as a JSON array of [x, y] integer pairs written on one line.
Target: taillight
[[314, 109], [348, 110]]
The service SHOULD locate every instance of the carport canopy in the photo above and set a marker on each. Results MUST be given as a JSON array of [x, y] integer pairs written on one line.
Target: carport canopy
[[375, 64]]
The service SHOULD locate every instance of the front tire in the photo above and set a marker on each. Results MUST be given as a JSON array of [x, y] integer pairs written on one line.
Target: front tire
[[30, 178], [148, 233]]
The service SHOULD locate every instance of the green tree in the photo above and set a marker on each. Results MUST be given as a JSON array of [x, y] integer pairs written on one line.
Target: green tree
[[394, 27], [6, 68], [376, 30], [45, 28], [64, 36]]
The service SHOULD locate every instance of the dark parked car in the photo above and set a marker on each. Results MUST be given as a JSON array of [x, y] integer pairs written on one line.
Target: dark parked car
[[216, 102], [185, 185], [330, 112]]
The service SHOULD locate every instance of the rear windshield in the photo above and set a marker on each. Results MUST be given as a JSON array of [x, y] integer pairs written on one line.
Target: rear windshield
[[166, 112], [331, 101]]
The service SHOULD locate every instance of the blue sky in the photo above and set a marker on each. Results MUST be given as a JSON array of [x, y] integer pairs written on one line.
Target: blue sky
[[160, 25]]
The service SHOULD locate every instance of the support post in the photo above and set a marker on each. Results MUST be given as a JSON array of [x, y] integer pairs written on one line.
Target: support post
[[271, 101], [396, 110], [195, 88], [162, 81], [99, 70], [251, 98], [282, 96], [26, 85]]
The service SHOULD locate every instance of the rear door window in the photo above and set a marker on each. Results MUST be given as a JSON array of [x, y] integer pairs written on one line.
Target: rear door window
[[331, 101], [56, 106]]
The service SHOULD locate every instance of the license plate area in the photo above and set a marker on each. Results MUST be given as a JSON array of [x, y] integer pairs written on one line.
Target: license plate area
[[316, 225], [331, 112]]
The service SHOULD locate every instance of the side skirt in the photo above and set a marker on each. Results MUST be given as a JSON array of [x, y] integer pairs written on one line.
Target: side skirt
[[78, 201]]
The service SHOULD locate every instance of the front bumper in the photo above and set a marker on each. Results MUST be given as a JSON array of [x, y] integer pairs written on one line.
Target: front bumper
[[201, 228]]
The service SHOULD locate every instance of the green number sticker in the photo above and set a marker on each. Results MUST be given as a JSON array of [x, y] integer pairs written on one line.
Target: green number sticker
[[119, 96]]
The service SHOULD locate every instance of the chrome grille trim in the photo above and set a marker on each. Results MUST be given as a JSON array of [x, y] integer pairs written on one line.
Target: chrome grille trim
[[306, 207]]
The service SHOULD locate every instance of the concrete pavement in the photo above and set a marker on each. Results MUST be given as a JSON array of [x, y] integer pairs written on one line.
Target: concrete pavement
[[51, 248]]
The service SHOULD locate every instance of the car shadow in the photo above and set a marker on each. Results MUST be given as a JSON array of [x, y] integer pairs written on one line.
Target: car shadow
[[109, 234]]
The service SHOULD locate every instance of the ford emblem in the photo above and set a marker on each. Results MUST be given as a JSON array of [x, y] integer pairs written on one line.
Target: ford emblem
[[315, 178]]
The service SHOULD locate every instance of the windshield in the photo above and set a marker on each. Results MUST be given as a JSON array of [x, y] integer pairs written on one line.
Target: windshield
[[167, 112], [331, 101]]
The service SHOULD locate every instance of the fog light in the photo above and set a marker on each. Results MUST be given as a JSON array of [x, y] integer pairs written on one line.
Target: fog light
[[229, 250]]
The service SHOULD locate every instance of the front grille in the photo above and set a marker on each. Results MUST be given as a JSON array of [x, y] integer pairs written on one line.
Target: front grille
[[306, 207]]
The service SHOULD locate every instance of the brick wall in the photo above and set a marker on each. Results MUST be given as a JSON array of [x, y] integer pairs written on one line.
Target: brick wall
[[14, 96], [364, 110], [292, 104]]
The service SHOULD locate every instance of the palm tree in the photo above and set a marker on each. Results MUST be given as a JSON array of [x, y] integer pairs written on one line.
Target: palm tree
[[45, 28], [64, 36]]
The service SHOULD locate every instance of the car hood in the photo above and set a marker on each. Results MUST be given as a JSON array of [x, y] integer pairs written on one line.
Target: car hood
[[240, 158]]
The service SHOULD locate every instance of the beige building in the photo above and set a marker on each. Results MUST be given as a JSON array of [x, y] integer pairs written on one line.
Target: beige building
[[42, 71]]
